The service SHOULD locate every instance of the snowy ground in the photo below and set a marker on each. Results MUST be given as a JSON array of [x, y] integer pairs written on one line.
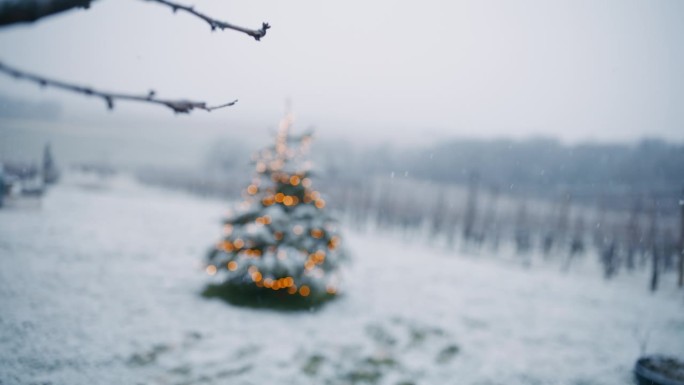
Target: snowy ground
[[101, 286]]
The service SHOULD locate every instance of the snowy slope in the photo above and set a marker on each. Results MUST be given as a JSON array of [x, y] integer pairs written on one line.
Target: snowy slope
[[102, 286]]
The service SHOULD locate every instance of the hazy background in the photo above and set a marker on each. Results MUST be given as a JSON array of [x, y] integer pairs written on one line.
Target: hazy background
[[506, 175], [366, 72]]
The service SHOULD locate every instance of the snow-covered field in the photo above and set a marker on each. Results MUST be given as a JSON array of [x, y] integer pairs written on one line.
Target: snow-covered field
[[101, 286]]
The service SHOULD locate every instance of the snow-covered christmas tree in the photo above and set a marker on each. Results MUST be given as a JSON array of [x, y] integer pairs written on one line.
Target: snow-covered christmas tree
[[280, 248]]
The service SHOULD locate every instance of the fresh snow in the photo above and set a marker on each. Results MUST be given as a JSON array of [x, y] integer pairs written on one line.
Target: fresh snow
[[101, 286]]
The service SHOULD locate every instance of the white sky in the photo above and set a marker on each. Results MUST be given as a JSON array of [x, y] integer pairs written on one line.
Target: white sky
[[378, 70]]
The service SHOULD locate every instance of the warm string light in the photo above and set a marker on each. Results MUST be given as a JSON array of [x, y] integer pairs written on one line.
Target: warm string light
[[285, 283], [304, 291], [265, 220], [283, 132], [334, 242], [252, 253], [261, 167], [294, 200], [318, 257], [288, 283], [228, 229], [314, 259], [268, 201], [226, 246], [284, 178], [309, 265]]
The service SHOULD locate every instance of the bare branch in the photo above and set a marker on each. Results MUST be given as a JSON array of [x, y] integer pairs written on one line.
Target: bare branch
[[213, 23], [178, 106], [28, 11]]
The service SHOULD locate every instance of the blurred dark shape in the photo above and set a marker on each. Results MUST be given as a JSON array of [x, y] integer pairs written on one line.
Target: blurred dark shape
[[654, 245], [522, 230], [50, 171], [577, 245], [19, 182], [21, 170], [471, 208], [635, 243], [609, 258], [659, 370]]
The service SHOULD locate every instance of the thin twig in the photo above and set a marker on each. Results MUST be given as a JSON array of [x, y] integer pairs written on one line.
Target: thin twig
[[213, 23], [178, 106]]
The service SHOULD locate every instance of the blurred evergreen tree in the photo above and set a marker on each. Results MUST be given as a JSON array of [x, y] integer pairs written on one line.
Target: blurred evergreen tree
[[280, 248]]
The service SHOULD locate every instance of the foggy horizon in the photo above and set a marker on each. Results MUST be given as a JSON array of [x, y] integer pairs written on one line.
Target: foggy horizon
[[157, 142]]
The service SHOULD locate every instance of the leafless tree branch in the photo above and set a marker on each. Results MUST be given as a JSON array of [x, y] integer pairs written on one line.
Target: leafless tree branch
[[28, 11], [178, 106], [213, 23]]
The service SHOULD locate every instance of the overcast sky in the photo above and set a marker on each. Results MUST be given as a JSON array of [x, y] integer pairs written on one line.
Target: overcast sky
[[381, 70]]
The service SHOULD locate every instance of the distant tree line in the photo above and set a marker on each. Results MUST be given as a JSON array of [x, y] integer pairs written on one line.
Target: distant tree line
[[544, 168]]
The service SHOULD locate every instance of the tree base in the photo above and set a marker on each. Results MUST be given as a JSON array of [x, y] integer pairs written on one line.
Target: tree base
[[257, 297]]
